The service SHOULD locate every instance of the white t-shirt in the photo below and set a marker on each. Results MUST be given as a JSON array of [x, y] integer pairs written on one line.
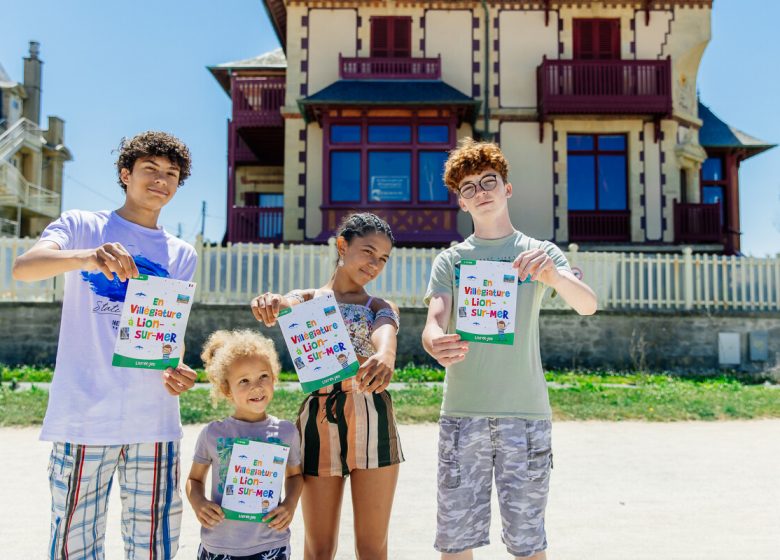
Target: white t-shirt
[[90, 401]]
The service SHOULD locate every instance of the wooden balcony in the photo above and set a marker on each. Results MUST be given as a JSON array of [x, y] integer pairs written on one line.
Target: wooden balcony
[[376, 68], [698, 223], [604, 87], [255, 224], [416, 225], [600, 226], [257, 101]]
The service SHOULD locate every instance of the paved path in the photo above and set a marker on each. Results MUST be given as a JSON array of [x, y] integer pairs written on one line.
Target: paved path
[[620, 491]]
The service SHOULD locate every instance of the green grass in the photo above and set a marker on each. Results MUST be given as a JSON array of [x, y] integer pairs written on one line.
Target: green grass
[[36, 374], [586, 396]]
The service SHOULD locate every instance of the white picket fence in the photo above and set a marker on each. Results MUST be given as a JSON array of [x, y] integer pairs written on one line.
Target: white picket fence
[[629, 281]]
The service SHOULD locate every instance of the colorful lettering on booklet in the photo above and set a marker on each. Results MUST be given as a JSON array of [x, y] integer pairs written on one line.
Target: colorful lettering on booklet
[[312, 343], [148, 325], [480, 300]]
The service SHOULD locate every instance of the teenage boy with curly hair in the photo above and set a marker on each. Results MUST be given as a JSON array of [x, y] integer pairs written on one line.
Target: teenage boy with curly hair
[[102, 418], [495, 416]]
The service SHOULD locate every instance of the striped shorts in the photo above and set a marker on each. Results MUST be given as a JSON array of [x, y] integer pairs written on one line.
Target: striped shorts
[[80, 478], [342, 430]]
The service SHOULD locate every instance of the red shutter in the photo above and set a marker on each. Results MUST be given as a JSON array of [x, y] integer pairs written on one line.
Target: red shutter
[[596, 39], [609, 39], [380, 37], [402, 37], [391, 37]]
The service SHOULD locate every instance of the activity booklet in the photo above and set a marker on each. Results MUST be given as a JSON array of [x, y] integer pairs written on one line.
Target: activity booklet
[[154, 318], [318, 342], [487, 302], [253, 483]]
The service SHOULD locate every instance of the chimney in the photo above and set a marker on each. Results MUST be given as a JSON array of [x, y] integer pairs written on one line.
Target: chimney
[[55, 134], [32, 84]]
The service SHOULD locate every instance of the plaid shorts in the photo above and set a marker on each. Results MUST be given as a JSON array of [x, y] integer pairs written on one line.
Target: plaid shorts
[[80, 478], [471, 452]]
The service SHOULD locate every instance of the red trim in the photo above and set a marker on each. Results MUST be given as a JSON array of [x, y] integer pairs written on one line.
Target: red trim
[[154, 495], [76, 501], [414, 147], [596, 39], [391, 36]]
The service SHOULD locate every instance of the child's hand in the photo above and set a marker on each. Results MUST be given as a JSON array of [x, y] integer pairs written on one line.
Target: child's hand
[[375, 373], [266, 307], [208, 513], [538, 265], [179, 380], [280, 517], [448, 349], [110, 258]]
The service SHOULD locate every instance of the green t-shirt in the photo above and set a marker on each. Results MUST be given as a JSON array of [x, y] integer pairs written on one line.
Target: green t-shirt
[[494, 379]]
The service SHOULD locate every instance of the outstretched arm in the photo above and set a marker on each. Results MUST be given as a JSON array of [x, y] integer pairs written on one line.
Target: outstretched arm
[[266, 307], [537, 264], [45, 259], [377, 371]]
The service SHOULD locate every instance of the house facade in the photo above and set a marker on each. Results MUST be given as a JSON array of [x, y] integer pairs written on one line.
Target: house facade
[[594, 103], [31, 159]]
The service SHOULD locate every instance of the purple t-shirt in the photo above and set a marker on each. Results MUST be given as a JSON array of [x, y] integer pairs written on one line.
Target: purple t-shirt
[[90, 401], [214, 446]]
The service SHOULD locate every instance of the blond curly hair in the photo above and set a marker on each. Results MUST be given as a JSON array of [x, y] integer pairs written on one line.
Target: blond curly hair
[[224, 347], [471, 158]]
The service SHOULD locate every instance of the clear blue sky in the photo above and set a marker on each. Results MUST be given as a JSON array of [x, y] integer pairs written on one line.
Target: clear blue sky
[[112, 70]]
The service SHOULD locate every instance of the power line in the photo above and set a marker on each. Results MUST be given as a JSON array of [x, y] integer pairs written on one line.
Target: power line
[[90, 189]]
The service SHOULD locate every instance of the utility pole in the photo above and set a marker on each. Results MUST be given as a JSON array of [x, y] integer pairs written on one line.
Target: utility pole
[[178, 231], [203, 218]]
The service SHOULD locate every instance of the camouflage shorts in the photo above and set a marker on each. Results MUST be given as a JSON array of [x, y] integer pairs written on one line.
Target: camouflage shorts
[[471, 451]]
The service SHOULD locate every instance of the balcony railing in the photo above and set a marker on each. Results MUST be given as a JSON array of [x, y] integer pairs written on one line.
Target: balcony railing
[[698, 223], [15, 190], [255, 224], [600, 226], [257, 101], [9, 228], [377, 68], [605, 87]]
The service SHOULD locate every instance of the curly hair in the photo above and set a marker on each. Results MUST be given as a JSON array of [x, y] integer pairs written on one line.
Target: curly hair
[[153, 143], [362, 224], [471, 158], [224, 347]]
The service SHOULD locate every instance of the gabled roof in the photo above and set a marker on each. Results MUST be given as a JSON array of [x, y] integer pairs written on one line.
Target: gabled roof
[[271, 61], [715, 133], [5, 79], [277, 13], [388, 93]]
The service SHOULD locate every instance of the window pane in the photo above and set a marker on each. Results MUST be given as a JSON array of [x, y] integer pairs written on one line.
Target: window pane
[[712, 169], [429, 134], [712, 195], [271, 200], [345, 176], [612, 183], [580, 142], [612, 142], [342, 133], [430, 184], [581, 178], [390, 133], [389, 176]]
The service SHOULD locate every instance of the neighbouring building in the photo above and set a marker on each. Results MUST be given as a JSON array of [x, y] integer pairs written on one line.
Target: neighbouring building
[[594, 103], [31, 159]]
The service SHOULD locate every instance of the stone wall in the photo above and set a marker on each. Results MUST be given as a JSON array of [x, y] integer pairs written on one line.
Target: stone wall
[[608, 340]]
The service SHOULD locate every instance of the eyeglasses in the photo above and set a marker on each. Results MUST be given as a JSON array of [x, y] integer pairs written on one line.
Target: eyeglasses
[[486, 183]]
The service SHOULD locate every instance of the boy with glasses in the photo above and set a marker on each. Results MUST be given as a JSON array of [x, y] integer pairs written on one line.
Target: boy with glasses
[[495, 416]]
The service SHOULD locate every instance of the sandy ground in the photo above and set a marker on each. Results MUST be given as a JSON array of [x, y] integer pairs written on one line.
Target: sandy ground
[[622, 491]]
